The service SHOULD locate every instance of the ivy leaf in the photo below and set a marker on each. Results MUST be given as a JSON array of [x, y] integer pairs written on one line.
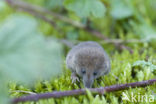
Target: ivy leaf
[[26, 56], [86, 8], [119, 10], [143, 64]]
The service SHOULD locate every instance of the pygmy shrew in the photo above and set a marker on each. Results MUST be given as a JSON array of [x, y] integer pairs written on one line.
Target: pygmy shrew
[[89, 61]]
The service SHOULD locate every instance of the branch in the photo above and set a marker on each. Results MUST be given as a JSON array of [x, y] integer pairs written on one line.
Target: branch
[[119, 41], [41, 12], [70, 43], [102, 90], [28, 7]]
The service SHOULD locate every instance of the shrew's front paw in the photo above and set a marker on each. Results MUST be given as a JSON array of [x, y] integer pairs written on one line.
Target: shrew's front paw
[[74, 78]]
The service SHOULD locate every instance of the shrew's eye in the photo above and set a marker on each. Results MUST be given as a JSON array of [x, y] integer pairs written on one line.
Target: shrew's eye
[[95, 73], [83, 72]]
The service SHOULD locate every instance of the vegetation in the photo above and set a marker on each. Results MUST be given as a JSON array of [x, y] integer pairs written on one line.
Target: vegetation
[[35, 36]]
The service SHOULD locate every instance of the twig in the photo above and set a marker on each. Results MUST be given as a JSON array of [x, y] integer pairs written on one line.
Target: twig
[[27, 8], [43, 12], [70, 43], [119, 41], [102, 90], [40, 10]]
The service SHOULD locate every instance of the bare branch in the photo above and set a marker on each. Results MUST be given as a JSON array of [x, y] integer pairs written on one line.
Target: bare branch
[[70, 43], [40, 10], [42, 13], [119, 41], [102, 90]]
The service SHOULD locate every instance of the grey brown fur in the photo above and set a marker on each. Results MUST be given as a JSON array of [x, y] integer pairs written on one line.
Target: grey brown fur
[[89, 61]]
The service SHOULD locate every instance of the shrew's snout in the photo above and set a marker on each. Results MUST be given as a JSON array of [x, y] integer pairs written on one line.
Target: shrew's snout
[[88, 82]]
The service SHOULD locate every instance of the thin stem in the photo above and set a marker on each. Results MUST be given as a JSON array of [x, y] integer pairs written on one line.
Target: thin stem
[[102, 90]]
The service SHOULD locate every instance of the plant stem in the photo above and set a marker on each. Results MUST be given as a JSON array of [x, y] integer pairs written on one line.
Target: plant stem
[[102, 90]]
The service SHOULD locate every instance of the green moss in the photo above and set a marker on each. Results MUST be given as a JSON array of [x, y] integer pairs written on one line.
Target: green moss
[[121, 72]]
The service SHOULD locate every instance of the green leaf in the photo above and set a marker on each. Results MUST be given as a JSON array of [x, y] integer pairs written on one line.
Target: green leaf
[[143, 64], [2, 5], [145, 31], [72, 35], [51, 4], [3, 90], [26, 56], [86, 8], [119, 10]]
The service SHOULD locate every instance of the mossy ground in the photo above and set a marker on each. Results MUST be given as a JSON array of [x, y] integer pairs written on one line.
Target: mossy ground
[[121, 72], [133, 27]]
